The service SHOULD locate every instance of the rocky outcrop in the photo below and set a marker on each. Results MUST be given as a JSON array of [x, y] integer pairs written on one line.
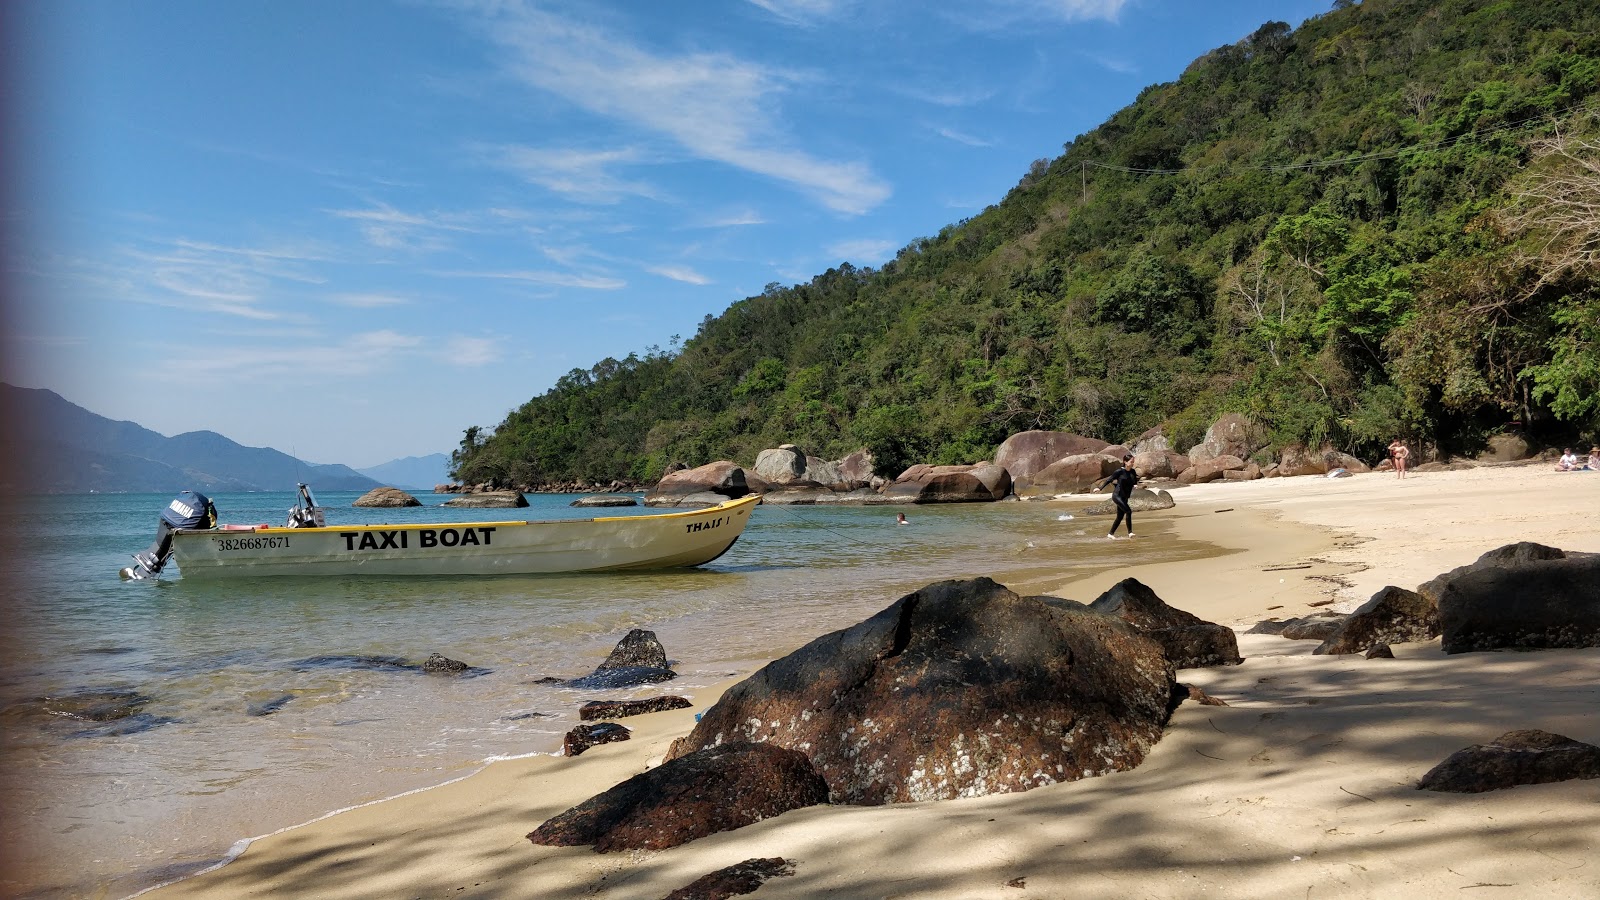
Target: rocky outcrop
[[951, 484], [603, 500], [1160, 463], [858, 469], [1535, 605], [489, 500], [1027, 453], [1153, 441], [385, 497], [1231, 435], [1210, 470], [717, 789], [1504, 448], [1071, 475], [1517, 554], [1189, 641], [961, 689], [723, 478], [637, 659], [439, 664], [735, 880], [1295, 459], [583, 737], [781, 465], [621, 709], [1141, 500], [1392, 616], [1316, 627], [1517, 757]]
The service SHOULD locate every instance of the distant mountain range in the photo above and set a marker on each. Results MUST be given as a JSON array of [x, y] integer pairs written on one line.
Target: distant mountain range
[[58, 447], [413, 473]]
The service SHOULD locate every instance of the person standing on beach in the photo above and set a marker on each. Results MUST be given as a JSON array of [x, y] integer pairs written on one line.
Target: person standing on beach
[[1399, 453], [1125, 478]]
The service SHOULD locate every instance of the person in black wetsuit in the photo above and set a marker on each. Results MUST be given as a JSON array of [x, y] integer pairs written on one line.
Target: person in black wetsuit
[[1125, 478]]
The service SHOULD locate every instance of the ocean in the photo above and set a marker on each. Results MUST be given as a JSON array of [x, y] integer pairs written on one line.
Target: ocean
[[266, 703]]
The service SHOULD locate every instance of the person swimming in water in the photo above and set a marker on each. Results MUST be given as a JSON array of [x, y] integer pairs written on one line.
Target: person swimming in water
[[1125, 479]]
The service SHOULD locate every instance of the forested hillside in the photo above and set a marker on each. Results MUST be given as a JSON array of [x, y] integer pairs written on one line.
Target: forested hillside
[[1385, 222]]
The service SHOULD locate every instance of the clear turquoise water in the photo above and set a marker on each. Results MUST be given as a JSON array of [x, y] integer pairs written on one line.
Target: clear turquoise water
[[96, 812]]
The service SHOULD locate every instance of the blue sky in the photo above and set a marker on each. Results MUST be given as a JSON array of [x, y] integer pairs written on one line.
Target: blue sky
[[354, 229]]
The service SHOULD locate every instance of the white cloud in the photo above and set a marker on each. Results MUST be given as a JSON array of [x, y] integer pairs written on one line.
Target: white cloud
[[470, 352], [992, 15], [734, 218], [212, 278], [552, 279], [1119, 66], [358, 355], [963, 138], [584, 176], [802, 12], [388, 228], [679, 273], [368, 301], [949, 98], [714, 105], [865, 251]]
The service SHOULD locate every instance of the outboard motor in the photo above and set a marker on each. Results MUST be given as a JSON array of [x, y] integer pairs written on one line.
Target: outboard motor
[[188, 510], [306, 513]]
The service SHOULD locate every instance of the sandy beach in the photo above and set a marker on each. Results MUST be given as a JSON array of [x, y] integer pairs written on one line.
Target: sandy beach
[[1304, 785]]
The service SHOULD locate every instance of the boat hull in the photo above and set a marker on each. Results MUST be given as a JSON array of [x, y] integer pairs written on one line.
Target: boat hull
[[606, 544]]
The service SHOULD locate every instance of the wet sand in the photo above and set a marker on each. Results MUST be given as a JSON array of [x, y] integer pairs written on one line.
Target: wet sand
[[1303, 786]]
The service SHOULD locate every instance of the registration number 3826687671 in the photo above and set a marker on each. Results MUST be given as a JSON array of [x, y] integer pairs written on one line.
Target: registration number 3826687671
[[251, 543]]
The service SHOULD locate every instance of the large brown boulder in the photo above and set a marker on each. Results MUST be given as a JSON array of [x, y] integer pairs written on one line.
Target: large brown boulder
[[958, 690], [1505, 448], [1028, 452], [1393, 616], [1211, 470], [1537, 605], [951, 484], [1231, 435], [1296, 459], [1517, 554], [717, 789], [1516, 757], [386, 497], [723, 477], [781, 465], [1152, 441], [1160, 464], [1189, 641], [735, 880], [857, 468], [1071, 475]]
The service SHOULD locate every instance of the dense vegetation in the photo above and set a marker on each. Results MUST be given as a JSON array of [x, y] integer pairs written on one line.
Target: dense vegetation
[[1385, 222]]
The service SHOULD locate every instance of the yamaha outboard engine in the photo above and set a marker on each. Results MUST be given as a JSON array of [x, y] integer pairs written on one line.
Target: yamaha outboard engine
[[305, 513], [187, 510]]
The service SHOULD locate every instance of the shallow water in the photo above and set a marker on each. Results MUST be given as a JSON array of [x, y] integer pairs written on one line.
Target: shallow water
[[270, 702]]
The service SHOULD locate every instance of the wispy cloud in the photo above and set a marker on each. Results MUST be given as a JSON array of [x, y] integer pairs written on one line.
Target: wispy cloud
[[214, 278], [962, 138], [1119, 66], [948, 98], [582, 175], [734, 218], [992, 15], [546, 278], [803, 12], [678, 273], [388, 228], [367, 301], [357, 355], [714, 105], [866, 251], [470, 352]]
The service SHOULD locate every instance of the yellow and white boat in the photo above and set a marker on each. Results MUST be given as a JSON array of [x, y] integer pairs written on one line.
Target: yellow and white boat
[[308, 547]]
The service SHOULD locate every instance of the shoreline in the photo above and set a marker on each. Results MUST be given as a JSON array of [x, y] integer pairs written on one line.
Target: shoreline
[[1286, 544]]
